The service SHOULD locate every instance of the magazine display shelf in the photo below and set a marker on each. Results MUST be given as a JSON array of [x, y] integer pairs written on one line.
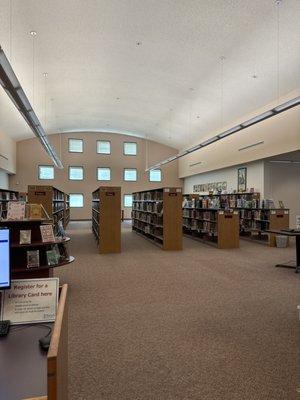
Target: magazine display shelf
[[18, 252]]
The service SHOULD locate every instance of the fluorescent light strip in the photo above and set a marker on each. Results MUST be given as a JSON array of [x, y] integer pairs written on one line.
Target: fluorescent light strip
[[12, 87], [196, 163], [251, 145], [285, 161], [259, 118]]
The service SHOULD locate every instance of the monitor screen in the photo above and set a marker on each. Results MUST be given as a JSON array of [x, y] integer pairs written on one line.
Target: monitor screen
[[4, 259]]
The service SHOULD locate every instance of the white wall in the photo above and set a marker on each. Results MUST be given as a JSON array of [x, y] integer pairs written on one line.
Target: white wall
[[255, 177], [282, 182], [4, 181]]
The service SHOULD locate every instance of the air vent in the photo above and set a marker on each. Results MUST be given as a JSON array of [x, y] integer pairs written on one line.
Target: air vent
[[1, 155]]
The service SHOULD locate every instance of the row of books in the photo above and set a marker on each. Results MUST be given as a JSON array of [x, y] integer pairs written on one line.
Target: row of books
[[199, 226], [18, 210], [153, 231], [58, 205], [199, 214], [151, 195], [47, 234], [8, 195], [226, 202], [54, 256], [153, 219], [150, 207]]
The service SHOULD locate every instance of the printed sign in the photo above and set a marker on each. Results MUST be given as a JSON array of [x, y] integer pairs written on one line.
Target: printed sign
[[30, 301]]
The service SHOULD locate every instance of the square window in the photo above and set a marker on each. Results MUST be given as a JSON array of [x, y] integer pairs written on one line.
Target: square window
[[76, 200], [130, 148], [75, 145], [130, 174], [103, 174], [46, 172], [127, 200], [76, 173], [103, 147], [155, 175]]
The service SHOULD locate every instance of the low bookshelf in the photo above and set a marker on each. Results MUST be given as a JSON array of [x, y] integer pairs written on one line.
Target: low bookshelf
[[19, 251], [156, 214], [214, 225], [6, 196], [55, 202], [106, 218]]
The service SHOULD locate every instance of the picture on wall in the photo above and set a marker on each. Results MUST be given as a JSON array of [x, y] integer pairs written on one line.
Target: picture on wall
[[242, 179]]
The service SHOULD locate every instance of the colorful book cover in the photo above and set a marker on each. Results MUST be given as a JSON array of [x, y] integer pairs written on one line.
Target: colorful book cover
[[52, 257], [47, 233], [34, 211], [15, 210], [25, 236], [33, 258]]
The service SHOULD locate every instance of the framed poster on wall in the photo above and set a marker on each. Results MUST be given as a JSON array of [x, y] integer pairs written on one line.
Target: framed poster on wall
[[242, 179]]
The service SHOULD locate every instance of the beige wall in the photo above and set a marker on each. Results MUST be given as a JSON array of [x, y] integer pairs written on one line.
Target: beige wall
[[7, 153], [30, 154], [281, 134]]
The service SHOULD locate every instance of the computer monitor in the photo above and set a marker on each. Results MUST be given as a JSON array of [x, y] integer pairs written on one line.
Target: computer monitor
[[4, 259]]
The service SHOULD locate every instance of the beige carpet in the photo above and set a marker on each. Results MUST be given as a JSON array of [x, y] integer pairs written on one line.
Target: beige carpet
[[203, 324]]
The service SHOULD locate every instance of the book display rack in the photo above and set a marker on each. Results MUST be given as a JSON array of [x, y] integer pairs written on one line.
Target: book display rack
[[157, 215], [5, 197], [215, 225], [55, 202], [106, 218], [30, 254]]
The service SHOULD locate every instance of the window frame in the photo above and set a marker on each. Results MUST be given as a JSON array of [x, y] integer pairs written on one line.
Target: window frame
[[71, 151], [47, 179], [130, 155], [131, 169], [70, 194], [103, 154], [161, 175], [127, 194], [76, 166], [103, 180]]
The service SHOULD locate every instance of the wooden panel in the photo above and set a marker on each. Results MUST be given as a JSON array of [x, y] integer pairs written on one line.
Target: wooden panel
[[38, 398], [172, 219], [228, 230], [279, 219], [41, 195], [110, 222], [57, 358]]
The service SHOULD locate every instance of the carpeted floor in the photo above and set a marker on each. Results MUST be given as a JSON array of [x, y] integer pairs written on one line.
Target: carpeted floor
[[203, 324]]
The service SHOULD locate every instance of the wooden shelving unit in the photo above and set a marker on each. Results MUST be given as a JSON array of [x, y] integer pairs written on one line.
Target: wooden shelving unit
[[18, 252], [157, 215], [106, 218], [53, 200], [214, 225], [6, 196]]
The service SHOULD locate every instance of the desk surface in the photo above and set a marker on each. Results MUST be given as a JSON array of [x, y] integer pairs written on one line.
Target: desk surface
[[23, 365], [286, 233]]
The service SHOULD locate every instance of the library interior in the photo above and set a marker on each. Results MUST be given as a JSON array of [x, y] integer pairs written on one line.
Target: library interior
[[149, 200]]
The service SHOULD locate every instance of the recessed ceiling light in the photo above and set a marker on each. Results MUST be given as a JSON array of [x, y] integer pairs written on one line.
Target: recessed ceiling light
[[45, 74], [198, 116], [138, 43], [192, 89], [33, 33], [117, 98], [254, 76]]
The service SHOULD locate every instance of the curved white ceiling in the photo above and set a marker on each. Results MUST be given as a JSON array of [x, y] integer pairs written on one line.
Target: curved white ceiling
[[100, 79]]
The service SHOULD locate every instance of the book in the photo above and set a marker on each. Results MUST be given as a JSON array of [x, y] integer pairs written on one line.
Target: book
[[52, 257], [15, 210], [25, 236], [61, 231], [47, 233], [33, 258], [34, 211], [281, 204]]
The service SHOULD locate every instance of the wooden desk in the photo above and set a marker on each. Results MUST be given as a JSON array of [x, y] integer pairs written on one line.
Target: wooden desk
[[297, 237], [25, 370]]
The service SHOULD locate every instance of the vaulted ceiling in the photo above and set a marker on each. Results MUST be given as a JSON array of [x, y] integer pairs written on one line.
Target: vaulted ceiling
[[147, 67]]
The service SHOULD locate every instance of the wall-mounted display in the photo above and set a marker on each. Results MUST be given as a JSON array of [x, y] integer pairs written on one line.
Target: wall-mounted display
[[242, 179], [210, 187]]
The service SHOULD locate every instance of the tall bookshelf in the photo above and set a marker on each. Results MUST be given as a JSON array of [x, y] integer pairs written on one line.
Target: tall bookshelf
[[6, 196], [214, 225], [157, 215], [106, 218], [53, 200]]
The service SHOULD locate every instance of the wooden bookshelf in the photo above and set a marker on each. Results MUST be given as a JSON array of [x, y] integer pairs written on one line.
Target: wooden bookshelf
[[6, 196], [18, 252], [55, 202], [106, 218], [157, 215], [214, 225]]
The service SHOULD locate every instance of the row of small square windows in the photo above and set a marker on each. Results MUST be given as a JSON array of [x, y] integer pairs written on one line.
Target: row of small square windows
[[46, 172], [103, 147], [77, 200]]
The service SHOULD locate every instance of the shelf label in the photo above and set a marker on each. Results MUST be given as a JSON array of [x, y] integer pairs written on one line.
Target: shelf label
[[30, 301], [110, 193], [228, 216], [279, 216], [173, 194], [40, 193]]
